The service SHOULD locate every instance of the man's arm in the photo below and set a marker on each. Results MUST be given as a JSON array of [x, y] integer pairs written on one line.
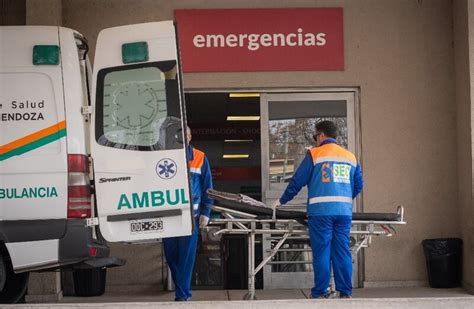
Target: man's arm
[[206, 183], [299, 179], [358, 181]]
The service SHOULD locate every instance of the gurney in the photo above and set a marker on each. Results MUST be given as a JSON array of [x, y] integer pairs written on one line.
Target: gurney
[[244, 215]]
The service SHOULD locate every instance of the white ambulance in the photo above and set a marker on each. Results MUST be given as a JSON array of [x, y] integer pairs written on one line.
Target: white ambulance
[[74, 157]]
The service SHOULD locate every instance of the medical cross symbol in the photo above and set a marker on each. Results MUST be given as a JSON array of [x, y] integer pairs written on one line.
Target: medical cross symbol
[[166, 168]]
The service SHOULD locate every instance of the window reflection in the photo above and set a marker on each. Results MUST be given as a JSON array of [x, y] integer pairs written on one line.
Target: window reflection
[[289, 139]]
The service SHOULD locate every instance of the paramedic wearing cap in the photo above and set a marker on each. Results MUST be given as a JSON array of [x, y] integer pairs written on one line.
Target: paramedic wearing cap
[[180, 252], [334, 179]]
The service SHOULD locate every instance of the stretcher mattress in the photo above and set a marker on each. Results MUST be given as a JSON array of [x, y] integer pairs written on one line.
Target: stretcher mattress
[[243, 203]]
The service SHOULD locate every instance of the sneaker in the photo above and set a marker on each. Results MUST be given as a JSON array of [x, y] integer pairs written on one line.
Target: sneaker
[[324, 296], [345, 296]]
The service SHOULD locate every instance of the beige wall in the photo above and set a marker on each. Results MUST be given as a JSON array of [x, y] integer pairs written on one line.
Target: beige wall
[[462, 43], [400, 54], [467, 219], [143, 270], [44, 12], [12, 12]]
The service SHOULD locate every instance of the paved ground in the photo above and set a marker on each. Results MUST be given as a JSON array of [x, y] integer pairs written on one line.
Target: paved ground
[[368, 298], [148, 295]]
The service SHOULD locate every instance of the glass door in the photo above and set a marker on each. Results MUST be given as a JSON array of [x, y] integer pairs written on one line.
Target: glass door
[[287, 127]]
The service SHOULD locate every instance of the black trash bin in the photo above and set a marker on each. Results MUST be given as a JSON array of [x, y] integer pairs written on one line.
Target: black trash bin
[[90, 282], [444, 262]]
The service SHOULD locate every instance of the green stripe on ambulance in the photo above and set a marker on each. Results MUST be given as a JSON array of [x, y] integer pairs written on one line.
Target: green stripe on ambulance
[[153, 199]]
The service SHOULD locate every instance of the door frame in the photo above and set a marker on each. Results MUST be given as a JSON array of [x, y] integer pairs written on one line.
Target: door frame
[[360, 264]]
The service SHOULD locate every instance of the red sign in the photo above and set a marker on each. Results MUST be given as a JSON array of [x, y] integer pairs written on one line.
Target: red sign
[[250, 40]]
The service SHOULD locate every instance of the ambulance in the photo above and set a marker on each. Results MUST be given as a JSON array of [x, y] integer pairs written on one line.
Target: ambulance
[[88, 157]]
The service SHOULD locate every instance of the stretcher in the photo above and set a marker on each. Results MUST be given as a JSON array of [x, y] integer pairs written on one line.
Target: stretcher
[[244, 215]]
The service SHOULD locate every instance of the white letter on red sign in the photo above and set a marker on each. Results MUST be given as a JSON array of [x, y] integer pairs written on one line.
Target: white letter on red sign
[[321, 37], [198, 41]]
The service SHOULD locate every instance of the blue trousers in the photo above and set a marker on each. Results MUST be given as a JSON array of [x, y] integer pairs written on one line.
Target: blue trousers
[[330, 243], [180, 253]]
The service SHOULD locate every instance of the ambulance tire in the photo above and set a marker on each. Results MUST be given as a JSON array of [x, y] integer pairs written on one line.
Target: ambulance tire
[[89, 282], [15, 285], [3, 274]]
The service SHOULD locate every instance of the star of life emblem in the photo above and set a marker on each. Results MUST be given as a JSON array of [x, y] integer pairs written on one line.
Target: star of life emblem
[[166, 168]]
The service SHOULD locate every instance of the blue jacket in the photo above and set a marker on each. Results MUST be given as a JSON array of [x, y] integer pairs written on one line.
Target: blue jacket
[[333, 177], [201, 181]]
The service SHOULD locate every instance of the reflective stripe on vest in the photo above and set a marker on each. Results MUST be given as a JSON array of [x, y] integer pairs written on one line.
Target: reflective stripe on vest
[[195, 170], [329, 199], [334, 159]]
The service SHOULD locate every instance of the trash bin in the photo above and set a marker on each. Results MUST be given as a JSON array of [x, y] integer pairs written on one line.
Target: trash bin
[[443, 261], [89, 282]]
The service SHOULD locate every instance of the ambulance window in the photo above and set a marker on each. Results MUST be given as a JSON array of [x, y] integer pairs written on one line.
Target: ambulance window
[[138, 107]]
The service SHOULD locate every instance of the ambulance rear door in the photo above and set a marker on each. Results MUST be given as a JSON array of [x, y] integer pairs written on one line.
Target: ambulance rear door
[[137, 137]]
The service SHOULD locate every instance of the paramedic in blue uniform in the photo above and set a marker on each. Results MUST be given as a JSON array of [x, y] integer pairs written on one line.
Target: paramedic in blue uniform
[[180, 252], [334, 179]]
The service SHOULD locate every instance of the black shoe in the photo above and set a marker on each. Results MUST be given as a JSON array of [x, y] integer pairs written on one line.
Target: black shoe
[[345, 296]]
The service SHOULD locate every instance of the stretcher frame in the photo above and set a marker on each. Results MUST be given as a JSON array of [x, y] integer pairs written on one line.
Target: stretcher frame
[[237, 222]]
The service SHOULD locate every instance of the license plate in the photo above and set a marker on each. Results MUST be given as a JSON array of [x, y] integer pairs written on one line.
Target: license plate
[[146, 225]]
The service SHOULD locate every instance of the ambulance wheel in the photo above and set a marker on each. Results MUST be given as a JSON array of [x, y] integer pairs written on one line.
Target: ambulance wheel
[[89, 282], [3, 274], [14, 285]]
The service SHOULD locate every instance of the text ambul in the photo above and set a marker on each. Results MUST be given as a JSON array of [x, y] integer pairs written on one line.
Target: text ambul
[[153, 199]]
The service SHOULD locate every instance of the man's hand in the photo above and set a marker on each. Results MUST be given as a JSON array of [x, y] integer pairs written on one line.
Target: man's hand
[[203, 221], [276, 204]]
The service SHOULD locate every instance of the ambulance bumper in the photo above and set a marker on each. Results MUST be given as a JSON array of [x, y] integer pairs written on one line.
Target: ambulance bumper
[[78, 247]]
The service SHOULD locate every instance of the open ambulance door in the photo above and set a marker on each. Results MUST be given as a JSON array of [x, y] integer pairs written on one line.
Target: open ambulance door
[[137, 138]]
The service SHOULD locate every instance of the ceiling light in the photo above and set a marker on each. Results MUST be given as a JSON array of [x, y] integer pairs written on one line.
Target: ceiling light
[[243, 118], [235, 156], [244, 95], [238, 140]]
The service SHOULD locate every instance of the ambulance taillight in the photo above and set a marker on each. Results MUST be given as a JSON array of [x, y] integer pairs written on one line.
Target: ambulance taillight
[[79, 190]]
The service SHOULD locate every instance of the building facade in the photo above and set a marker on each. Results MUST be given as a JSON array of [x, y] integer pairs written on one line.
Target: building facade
[[409, 64]]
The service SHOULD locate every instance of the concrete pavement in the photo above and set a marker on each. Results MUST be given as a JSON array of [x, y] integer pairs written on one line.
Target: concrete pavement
[[370, 298]]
